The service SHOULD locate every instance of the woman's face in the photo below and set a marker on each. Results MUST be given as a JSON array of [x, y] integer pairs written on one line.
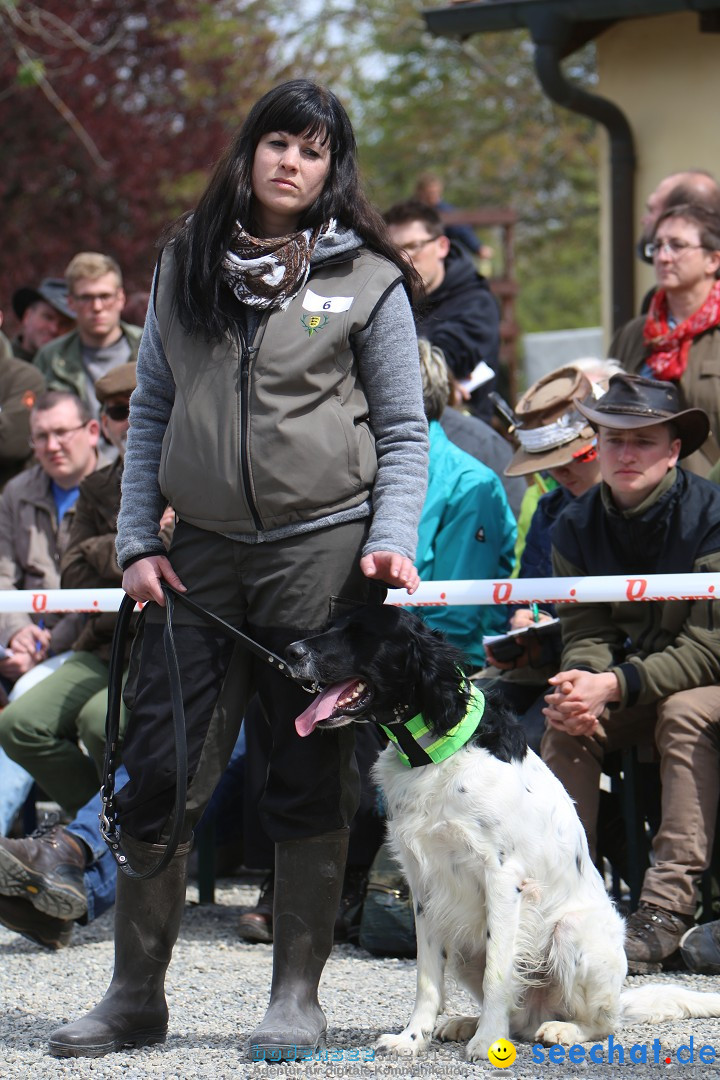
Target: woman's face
[[288, 174], [681, 263], [579, 476]]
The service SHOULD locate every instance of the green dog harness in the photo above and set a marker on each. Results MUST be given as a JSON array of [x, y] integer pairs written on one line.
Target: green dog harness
[[417, 746]]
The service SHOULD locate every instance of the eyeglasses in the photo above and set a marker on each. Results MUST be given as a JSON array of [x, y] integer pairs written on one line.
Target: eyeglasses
[[63, 436], [674, 248], [417, 245], [117, 412], [90, 299]]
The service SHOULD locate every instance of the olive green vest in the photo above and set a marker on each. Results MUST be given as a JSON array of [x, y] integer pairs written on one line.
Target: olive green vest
[[279, 433]]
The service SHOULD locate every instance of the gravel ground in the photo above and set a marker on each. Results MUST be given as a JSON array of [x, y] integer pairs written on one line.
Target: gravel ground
[[217, 992]]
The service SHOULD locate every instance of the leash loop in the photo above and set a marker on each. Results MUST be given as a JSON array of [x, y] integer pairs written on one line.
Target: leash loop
[[109, 825]]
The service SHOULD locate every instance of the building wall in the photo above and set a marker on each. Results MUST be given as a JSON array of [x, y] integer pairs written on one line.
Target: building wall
[[665, 76]]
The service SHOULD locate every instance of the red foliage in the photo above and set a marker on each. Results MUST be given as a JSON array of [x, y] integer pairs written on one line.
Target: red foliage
[[133, 102]]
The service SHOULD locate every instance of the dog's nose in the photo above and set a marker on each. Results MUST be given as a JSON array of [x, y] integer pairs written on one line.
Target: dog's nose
[[296, 652]]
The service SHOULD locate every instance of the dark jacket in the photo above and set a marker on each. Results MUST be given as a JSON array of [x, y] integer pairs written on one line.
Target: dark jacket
[[536, 559], [20, 385], [461, 317], [659, 648], [89, 561]]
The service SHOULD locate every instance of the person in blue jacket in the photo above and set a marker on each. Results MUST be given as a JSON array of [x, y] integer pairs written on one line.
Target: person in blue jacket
[[467, 529]]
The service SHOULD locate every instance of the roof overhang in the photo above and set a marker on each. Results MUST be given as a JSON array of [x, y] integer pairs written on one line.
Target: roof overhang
[[583, 19]]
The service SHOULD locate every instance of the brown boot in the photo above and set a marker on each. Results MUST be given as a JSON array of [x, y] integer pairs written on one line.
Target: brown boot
[[256, 924], [651, 936], [22, 918], [48, 869]]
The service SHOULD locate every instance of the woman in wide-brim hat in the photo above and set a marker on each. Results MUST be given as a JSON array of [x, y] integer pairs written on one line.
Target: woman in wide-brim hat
[[552, 437]]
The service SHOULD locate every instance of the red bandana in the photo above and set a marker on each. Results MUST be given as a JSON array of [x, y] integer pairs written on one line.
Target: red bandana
[[670, 348]]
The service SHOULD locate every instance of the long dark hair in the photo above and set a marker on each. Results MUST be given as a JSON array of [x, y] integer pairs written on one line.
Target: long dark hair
[[201, 238]]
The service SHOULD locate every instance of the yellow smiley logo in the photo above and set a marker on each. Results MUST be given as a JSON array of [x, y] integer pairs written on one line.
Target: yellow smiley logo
[[501, 1054]]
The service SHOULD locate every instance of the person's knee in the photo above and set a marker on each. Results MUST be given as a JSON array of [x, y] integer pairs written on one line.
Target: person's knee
[[17, 729], [689, 714]]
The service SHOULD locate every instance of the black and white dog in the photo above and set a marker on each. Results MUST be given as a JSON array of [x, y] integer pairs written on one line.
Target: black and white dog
[[506, 896]]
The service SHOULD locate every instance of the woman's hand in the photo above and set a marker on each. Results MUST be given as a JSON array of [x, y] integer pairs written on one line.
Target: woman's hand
[[392, 568], [142, 579]]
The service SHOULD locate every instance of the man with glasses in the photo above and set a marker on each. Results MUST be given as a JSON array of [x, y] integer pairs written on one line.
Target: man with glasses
[[62, 874], [460, 315], [100, 341], [36, 511]]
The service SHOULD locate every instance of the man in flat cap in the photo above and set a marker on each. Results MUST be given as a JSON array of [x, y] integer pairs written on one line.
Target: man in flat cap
[[43, 313]]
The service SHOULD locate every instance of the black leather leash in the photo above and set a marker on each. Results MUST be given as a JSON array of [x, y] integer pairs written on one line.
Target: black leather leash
[[109, 826]]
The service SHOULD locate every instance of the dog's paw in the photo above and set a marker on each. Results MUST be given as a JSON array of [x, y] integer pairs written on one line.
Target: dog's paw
[[556, 1031], [477, 1048], [407, 1044], [457, 1029]]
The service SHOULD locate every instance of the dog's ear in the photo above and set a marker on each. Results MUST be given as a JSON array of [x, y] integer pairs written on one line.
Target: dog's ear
[[435, 668]]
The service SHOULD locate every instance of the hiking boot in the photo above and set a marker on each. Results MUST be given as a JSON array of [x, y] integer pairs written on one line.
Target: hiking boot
[[22, 918], [256, 924], [700, 948], [651, 936], [48, 869]]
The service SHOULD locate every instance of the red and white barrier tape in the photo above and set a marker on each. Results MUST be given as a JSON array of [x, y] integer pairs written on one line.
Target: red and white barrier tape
[[525, 591]]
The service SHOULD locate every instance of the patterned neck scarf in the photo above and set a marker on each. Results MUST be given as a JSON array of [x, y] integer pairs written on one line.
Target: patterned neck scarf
[[267, 272], [671, 346]]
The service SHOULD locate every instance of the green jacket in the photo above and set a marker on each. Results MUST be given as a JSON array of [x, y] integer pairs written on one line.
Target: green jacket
[[60, 360], [20, 385], [656, 648]]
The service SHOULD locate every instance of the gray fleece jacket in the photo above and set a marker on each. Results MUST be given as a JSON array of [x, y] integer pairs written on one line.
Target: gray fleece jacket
[[387, 364]]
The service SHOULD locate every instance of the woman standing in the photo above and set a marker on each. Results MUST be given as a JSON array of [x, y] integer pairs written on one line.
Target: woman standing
[[279, 411], [679, 339]]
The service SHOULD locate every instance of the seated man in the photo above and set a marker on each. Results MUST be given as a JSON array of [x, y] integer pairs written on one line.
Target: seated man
[[632, 671], [460, 315], [466, 529], [36, 510], [100, 340], [41, 729], [20, 385], [43, 315]]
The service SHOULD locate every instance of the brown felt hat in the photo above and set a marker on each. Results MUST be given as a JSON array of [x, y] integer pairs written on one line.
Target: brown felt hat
[[632, 401], [550, 430], [119, 380]]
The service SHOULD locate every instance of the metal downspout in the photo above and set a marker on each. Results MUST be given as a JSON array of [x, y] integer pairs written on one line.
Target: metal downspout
[[549, 36]]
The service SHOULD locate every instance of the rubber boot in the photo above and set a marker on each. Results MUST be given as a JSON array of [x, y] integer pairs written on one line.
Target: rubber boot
[[147, 921], [308, 884]]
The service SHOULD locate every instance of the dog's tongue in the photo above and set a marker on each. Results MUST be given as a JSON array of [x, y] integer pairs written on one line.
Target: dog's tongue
[[321, 707]]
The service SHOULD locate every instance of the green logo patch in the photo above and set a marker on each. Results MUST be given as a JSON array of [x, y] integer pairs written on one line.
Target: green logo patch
[[313, 323]]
